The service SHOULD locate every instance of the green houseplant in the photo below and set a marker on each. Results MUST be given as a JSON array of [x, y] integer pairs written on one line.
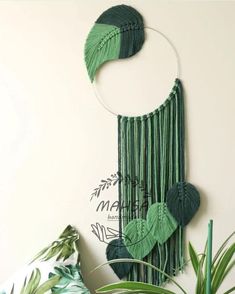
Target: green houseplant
[[210, 272]]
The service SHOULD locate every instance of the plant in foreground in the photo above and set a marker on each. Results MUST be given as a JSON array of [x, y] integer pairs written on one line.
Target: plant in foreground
[[210, 273]]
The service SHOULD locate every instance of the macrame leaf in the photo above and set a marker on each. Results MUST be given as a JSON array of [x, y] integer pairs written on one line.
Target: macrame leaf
[[183, 201], [116, 249], [103, 44], [117, 33], [137, 238], [160, 222]]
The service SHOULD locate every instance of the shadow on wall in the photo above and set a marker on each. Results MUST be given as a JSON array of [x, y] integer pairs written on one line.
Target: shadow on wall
[[202, 210], [89, 261]]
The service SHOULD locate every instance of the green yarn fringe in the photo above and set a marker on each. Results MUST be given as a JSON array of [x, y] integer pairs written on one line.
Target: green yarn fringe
[[151, 151]]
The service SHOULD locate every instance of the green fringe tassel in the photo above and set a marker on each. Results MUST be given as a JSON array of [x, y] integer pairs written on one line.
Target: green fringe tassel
[[151, 155]]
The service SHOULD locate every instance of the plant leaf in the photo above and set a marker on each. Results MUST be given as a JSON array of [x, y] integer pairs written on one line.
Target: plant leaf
[[228, 269], [230, 290], [63, 247], [218, 253], [41, 253], [160, 291], [141, 292], [140, 262], [194, 258], [24, 285], [71, 280], [33, 282], [221, 268], [46, 286], [200, 276], [137, 286]]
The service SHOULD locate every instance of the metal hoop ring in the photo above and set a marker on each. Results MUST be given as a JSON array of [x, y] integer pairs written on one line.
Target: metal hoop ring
[[98, 96]]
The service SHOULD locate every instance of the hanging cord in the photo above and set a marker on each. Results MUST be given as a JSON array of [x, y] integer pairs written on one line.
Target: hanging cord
[[95, 84]]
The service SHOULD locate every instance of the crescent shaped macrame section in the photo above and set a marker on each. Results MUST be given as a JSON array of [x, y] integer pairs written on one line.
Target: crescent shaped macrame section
[[117, 33]]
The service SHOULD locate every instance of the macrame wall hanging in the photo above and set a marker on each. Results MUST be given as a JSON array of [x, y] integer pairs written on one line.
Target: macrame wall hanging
[[151, 150]]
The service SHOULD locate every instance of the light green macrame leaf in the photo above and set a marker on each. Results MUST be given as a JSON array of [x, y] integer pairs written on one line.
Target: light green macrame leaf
[[138, 239], [103, 44], [160, 222]]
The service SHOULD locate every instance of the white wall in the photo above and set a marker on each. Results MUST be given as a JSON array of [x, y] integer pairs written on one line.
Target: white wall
[[57, 142]]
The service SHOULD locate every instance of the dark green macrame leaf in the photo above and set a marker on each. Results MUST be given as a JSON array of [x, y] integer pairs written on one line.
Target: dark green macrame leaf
[[160, 222], [116, 249], [131, 25], [117, 33], [138, 239], [183, 201]]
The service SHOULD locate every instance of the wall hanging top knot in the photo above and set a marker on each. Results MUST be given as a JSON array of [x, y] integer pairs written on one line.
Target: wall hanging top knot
[[117, 33]]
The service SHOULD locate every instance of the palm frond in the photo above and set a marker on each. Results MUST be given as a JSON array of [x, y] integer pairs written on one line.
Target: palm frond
[[61, 249], [32, 284]]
